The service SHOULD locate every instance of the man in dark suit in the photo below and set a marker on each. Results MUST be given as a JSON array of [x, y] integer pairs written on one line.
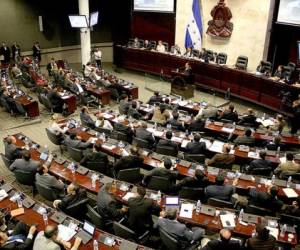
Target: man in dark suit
[[224, 243], [16, 52], [177, 125], [36, 51], [140, 212], [86, 119], [273, 145], [157, 98], [94, 155], [133, 112], [125, 130], [262, 240], [144, 134], [108, 207], [165, 172], [195, 146], [168, 222], [249, 119], [267, 199], [219, 190], [56, 101], [230, 114], [198, 181], [12, 152], [197, 124], [74, 141], [246, 139], [74, 194], [5, 52], [20, 238], [261, 163], [25, 164], [167, 142], [134, 160]]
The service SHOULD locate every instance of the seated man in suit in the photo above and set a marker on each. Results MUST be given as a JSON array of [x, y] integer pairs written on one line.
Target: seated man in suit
[[144, 134], [167, 142], [12, 152], [74, 141], [156, 98], [197, 124], [25, 164], [20, 238], [287, 168], [248, 119], [262, 239], [196, 146], [164, 171], [76, 89], [246, 139], [230, 114], [293, 209], [175, 124], [133, 112], [267, 199], [160, 114], [124, 104], [273, 145], [49, 240], [219, 190], [55, 100], [86, 119], [260, 163], [94, 155], [222, 159], [168, 222], [198, 181], [43, 177], [133, 160], [125, 130], [108, 207], [278, 124], [74, 194], [224, 243], [140, 210]]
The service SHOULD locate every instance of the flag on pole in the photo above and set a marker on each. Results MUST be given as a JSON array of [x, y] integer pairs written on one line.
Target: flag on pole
[[193, 35]]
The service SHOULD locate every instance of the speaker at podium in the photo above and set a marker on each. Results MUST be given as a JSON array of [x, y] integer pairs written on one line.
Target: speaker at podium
[[182, 81]]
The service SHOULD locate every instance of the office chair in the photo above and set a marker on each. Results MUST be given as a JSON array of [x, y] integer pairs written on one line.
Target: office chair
[[126, 233], [97, 166], [209, 55], [219, 203], [196, 53], [48, 105], [141, 143], [141, 42], [131, 175], [25, 178], [241, 62], [46, 192], [192, 193], [76, 154], [165, 150], [95, 217], [266, 172], [152, 44], [119, 136], [78, 210], [198, 158], [55, 139], [103, 130], [292, 66], [7, 162], [159, 183], [221, 58], [168, 241], [251, 209], [21, 110]]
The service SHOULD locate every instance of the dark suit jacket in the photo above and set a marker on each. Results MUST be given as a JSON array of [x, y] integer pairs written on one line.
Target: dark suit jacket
[[195, 147], [259, 163], [27, 166], [69, 199], [91, 156], [265, 200], [244, 140], [177, 125], [197, 125], [192, 182], [140, 211], [5, 53], [17, 245], [167, 143], [256, 243], [155, 99], [86, 119], [219, 245], [223, 192], [55, 99], [124, 129], [130, 161], [144, 135], [162, 172], [248, 119], [228, 115], [68, 142], [134, 113]]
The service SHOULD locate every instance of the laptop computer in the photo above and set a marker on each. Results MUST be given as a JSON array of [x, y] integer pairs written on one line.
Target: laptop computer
[[250, 218], [82, 170], [211, 211], [172, 202], [58, 217], [87, 232], [27, 202]]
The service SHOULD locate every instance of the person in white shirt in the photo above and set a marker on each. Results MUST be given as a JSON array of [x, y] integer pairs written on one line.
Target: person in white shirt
[[98, 57], [55, 127], [160, 47], [87, 69], [102, 123]]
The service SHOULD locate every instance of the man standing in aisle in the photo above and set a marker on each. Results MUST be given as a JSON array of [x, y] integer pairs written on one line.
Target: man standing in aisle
[[98, 57]]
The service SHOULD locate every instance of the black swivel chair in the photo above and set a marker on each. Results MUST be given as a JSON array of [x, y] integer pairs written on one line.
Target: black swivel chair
[[292, 66], [140, 143], [103, 130], [198, 158], [159, 183], [261, 172], [76, 154], [95, 218], [221, 58], [97, 166], [21, 110], [131, 175], [48, 105], [251, 209], [7, 162], [119, 136], [55, 139], [152, 44], [241, 62], [168, 241], [196, 53], [209, 54], [219, 203], [46, 192], [25, 178], [166, 46], [192, 193], [126, 233], [165, 150], [78, 210]]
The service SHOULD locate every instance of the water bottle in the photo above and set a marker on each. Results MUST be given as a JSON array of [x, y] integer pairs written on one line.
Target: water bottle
[[283, 230], [19, 201], [169, 126], [273, 179], [95, 245], [45, 218], [264, 116], [155, 126], [198, 206], [289, 182], [72, 167], [46, 149], [121, 144], [159, 196], [103, 136], [278, 151], [93, 177], [241, 214], [253, 234]]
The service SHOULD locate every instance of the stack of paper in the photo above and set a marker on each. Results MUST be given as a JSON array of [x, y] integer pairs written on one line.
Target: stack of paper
[[207, 142], [186, 210], [183, 103], [3, 194], [184, 143], [65, 233], [151, 130], [158, 133], [217, 146], [227, 130], [253, 155], [290, 193], [107, 116]]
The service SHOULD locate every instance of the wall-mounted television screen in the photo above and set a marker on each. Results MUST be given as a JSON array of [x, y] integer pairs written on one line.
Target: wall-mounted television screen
[[78, 21], [154, 5], [289, 12]]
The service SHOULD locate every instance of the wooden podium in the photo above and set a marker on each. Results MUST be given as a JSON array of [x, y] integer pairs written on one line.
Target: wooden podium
[[182, 84]]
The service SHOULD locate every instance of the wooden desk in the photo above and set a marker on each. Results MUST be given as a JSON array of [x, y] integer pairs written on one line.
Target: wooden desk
[[31, 106], [100, 93], [244, 85]]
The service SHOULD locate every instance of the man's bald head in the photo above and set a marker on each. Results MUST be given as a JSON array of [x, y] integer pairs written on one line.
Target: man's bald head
[[225, 235], [51, 231]]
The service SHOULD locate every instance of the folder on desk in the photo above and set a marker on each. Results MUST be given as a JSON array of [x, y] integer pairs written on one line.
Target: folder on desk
[[82, 170], [228, 220], [27, 202], [17, 212], [208, 210], [58, 217], [186, 210], [280, 183]]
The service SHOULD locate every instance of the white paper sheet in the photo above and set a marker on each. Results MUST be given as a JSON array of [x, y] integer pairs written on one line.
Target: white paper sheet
[[176, 139], [228, 220], [65, 233], [3, 194], [253, 155], [227, 130], [107, 116], [108, 147], [184, 143], [207, 142], [158, 133], [290, 193], [217, 146], [273, 231], [186, 210]]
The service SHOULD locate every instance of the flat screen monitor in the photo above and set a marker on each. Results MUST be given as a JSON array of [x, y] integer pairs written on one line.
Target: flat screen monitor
[[154, 5], [289, 12], [94, 18], [78, 21]]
